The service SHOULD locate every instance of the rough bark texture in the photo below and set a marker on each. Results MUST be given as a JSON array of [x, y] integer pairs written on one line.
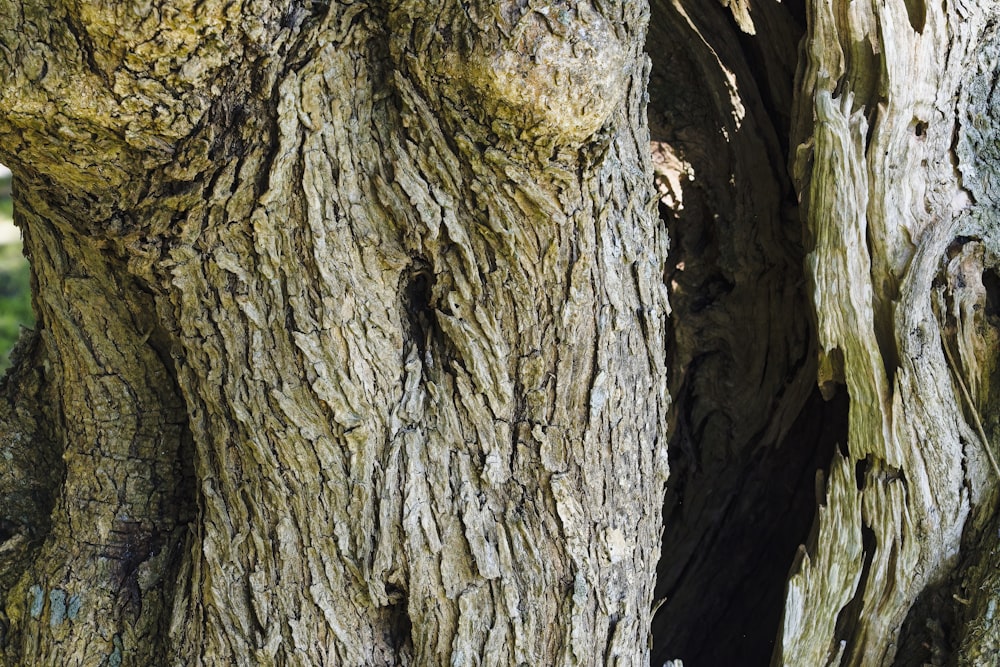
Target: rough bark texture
[[352, 324], [352, 341]]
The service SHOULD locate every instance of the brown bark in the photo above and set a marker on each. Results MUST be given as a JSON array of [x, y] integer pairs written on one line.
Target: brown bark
[[379, 289]]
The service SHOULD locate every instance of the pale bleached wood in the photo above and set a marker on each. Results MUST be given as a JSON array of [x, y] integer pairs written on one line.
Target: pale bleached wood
[[885, 208]]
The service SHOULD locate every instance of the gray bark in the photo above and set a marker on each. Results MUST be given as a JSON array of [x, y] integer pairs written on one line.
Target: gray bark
[[351, 321]]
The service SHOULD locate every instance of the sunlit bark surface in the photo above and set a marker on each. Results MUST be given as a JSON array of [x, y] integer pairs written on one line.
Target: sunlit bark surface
[[351, 333]]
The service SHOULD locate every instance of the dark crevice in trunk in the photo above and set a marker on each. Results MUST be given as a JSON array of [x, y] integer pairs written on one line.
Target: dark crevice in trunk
[[916, 11], [928, 636], [750, 429], [850, 616], [724, 603], [400, 628], [421, 303], [991, 281], [417, 297], [185, 494]]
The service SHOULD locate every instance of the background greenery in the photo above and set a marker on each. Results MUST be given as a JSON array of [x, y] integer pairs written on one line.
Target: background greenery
[[15, 291], [6, 206]]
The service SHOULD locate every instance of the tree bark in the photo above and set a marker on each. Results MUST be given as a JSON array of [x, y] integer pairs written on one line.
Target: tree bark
[[352, 321], [352, 341]]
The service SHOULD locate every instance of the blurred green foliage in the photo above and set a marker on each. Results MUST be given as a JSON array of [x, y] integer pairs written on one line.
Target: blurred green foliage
[[15, 288]]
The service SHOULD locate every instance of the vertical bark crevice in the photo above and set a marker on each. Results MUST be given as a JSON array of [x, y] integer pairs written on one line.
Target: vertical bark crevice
[[916, 11], [849, 619], [748, 558], [418, 300], [749, 431], [991, 281]]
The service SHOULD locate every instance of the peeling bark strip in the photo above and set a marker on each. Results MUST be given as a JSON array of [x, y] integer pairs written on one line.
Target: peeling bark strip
[[384, 284], [902, 250]]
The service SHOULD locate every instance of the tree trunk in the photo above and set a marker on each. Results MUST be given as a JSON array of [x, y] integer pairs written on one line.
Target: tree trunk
[[350, 334], [352, 342], [890, 144]]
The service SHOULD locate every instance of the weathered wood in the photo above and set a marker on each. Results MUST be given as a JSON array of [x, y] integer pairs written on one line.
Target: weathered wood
[[898, 247]]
